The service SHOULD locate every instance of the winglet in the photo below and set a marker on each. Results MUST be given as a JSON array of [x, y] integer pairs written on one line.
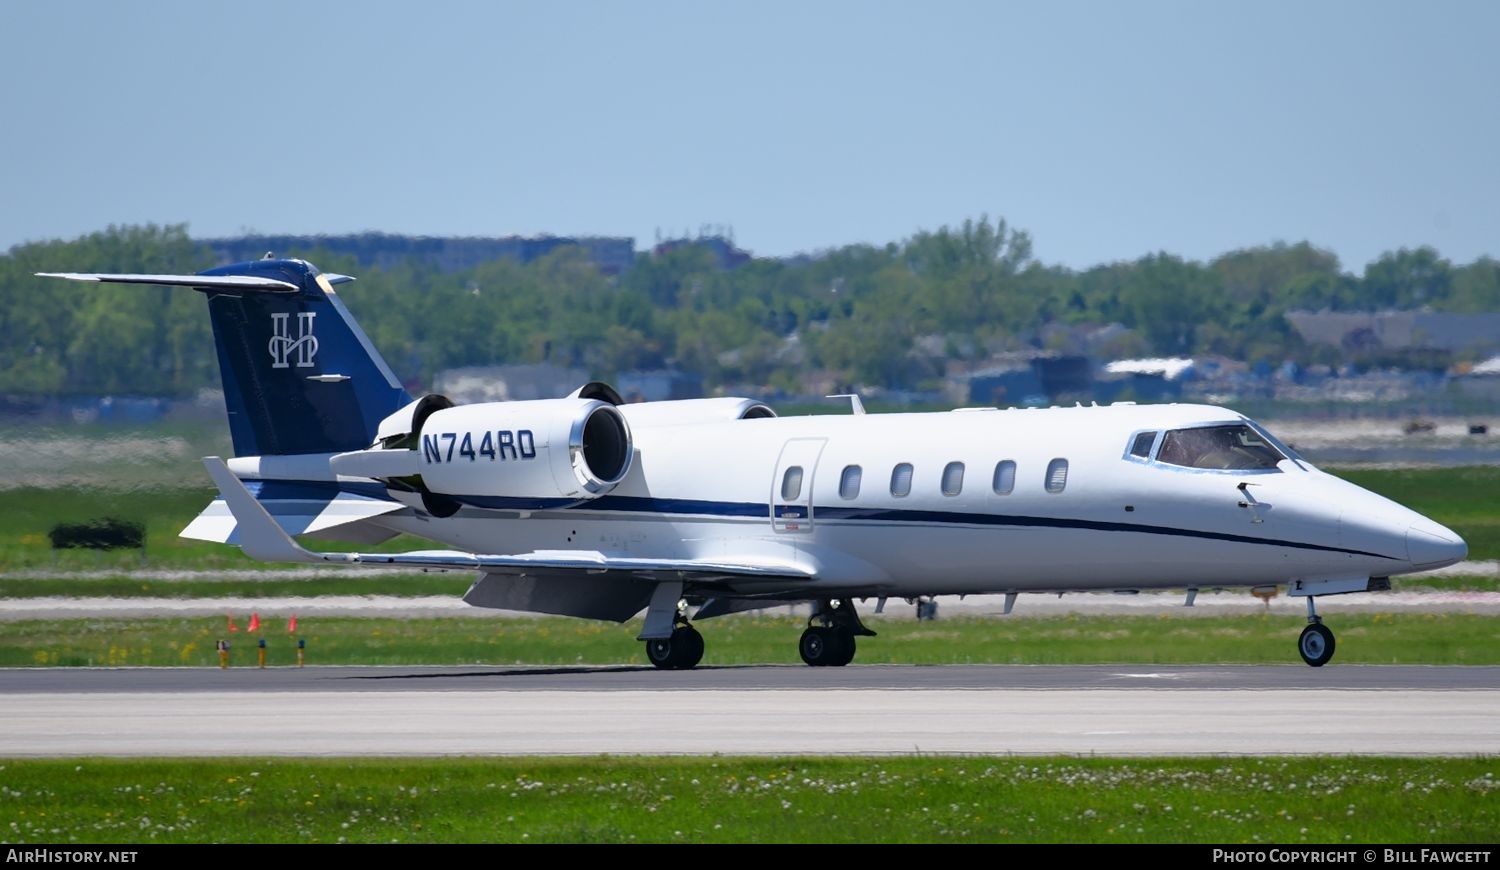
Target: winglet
[[260, 536]]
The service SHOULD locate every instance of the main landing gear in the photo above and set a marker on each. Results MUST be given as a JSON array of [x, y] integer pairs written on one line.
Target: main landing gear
[[829, 638], [1316, 642], [827, 642], [683, 650]]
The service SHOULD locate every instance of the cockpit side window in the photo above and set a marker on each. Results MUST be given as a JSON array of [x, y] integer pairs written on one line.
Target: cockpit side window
[[1237, 447], [1142, 444]]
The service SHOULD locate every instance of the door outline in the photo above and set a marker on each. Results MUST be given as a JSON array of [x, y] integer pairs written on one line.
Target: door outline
[[796, 515]]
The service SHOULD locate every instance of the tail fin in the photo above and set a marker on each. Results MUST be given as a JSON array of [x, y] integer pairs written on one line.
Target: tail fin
[[299, 374]]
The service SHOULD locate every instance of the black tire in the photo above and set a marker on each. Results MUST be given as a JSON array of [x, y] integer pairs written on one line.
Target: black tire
[[816, 646], [1316, 645], [689, 644], [681, 651], [844, 643], [662, 653]]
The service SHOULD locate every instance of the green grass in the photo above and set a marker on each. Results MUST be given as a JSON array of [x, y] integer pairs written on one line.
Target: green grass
[[753, 800], [28, 514], [1450, 583], [328, 583], [1171, 638]]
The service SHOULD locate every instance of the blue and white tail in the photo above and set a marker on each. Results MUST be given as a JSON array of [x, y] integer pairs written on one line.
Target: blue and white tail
[[299, 374]]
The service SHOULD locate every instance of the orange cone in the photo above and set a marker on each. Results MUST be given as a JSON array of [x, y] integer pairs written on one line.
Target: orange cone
[[254, 622], [291, 624], [232, 626]]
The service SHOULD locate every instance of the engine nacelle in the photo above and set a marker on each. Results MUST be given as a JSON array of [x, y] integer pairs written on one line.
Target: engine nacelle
[[399, 429], [526, 455], [680, 412]]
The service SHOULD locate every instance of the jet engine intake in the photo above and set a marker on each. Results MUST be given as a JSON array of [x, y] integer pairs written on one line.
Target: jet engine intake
[[525, 454]]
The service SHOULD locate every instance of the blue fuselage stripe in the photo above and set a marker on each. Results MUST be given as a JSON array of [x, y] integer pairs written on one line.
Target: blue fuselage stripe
[[311, 490], [671, 507]]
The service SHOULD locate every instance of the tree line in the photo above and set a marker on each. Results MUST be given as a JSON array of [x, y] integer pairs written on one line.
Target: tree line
[[870, 315]]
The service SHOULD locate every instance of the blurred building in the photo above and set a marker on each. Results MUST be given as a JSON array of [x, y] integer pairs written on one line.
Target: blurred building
[[513, 383], [613, 255], [1398, 330]]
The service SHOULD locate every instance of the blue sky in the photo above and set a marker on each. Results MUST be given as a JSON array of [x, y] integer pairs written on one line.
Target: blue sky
[[1108, 130]]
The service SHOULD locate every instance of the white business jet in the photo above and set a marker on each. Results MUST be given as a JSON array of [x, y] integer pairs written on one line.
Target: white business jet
[[586, 506]]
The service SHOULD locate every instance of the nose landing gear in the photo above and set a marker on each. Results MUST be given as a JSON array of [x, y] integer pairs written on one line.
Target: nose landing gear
[[1316, 642]]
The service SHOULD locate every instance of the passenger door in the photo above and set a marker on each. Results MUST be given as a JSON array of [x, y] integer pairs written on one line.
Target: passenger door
[[792, 485]]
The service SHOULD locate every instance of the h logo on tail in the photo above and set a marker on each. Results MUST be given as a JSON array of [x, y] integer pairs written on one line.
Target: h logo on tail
[[282, 344]]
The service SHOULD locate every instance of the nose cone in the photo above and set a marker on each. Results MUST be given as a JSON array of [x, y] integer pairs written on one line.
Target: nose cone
[[1429, 545]]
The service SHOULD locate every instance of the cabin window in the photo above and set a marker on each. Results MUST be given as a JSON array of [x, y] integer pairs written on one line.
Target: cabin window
[[1142, 445], [1236, 447], [849, 481], [953, 478], [1005, 476], [901, 480], [791, 483], [1057, 475]]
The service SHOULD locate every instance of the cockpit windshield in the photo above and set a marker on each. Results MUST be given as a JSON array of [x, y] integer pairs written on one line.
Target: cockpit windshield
[[1236, 446]]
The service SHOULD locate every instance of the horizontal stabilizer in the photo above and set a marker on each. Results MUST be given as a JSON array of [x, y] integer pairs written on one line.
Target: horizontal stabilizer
[[221, 282], [297, 516], [261, 537]]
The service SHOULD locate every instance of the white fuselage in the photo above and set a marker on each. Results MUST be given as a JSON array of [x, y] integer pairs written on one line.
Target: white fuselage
[[1110, 520]]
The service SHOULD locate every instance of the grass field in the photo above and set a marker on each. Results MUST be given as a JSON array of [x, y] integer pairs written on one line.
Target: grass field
[[28, 514], [744, 800], [1381, 638], [331, 582]]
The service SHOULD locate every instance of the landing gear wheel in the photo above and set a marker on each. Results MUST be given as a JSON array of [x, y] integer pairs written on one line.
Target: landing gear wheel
[[846, 647], [814, 646], [692, 646], [659, 651], [1316, 644], [681, 651], [823, 646]]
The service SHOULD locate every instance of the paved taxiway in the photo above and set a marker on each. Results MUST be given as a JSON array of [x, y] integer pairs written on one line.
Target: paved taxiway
[[1116, 710]]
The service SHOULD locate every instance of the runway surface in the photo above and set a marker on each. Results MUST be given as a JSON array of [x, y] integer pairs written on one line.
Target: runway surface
[[1112, 710], [1208, 604], [619, 678]]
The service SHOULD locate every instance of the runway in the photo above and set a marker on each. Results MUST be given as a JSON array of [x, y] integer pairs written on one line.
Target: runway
[[1167, 604], [1108, 710]]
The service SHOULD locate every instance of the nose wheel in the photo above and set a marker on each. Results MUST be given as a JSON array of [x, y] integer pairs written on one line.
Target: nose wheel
[[1316, 642]]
